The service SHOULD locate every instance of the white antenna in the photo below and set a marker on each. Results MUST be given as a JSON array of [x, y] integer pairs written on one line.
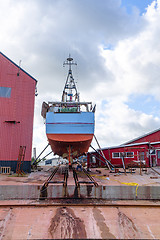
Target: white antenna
[[70, 85]]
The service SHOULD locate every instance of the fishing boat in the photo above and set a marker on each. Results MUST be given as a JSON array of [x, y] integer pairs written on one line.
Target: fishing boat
[[69, 122]]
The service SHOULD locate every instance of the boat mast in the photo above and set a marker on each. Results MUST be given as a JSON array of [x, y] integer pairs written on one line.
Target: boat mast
[[70, 93]]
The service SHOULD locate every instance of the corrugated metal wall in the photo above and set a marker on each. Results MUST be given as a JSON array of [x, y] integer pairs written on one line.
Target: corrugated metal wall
[[16, 112]]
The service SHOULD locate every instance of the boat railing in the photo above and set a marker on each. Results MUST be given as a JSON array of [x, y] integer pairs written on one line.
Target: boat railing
[[69, 106], [66, 107]]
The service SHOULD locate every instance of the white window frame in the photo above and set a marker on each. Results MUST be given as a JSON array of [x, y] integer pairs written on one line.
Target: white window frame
[[129, 156], [114, 153], [120, 154]]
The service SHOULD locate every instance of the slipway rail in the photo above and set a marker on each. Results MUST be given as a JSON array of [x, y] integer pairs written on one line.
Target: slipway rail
[[43, 190], [79, 203]]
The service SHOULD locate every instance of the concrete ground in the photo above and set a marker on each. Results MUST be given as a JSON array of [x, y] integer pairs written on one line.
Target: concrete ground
[[146, 179], [79, 222], [104, 177], [27, 220]]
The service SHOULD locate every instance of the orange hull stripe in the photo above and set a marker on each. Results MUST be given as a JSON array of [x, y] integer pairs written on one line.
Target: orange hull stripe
[[70, 137]]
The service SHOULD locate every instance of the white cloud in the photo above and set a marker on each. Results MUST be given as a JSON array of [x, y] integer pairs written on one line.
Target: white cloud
[[42, 33], [135, 61], [117, 123], [134, 64]]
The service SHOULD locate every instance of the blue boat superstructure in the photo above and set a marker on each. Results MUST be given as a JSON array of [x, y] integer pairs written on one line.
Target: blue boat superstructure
[[70, 123]]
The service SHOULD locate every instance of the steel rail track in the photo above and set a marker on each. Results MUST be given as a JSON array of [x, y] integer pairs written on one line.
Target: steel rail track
[[43, 190], [64, 204]]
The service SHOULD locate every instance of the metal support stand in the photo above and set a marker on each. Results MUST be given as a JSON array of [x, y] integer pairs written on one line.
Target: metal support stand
[[102, 153], [35, 161], [103, 158], [43, 157]]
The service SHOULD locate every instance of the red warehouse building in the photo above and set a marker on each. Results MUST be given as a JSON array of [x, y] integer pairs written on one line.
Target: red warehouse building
[[145, 149], [17, 95]]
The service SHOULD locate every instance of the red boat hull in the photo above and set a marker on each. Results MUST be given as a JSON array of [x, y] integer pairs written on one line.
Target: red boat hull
[[75, 144]]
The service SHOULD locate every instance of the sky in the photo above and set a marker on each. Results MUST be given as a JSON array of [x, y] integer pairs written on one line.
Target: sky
[[116, 46]]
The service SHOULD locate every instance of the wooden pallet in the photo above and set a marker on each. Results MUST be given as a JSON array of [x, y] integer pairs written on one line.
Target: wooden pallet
[[5, 170]]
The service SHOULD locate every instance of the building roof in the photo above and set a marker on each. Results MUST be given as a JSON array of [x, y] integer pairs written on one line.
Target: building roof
[[131, 142], [18, 66], [127, 145], [145, 135], [132, 145]]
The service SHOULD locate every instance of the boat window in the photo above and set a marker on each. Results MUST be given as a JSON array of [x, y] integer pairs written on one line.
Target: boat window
[[5, 92], [68, 109]]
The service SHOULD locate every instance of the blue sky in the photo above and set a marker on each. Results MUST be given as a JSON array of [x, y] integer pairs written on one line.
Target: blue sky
[[147, 103], [116, 45], [141, 5]]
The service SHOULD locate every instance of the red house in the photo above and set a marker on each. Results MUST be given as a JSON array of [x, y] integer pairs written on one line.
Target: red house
[[17, 95], [145, 148]]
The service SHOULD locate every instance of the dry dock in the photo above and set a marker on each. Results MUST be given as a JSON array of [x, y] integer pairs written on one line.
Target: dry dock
[[121, 207]]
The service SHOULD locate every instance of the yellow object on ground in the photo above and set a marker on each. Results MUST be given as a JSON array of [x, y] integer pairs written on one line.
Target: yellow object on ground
[[129, 184]]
